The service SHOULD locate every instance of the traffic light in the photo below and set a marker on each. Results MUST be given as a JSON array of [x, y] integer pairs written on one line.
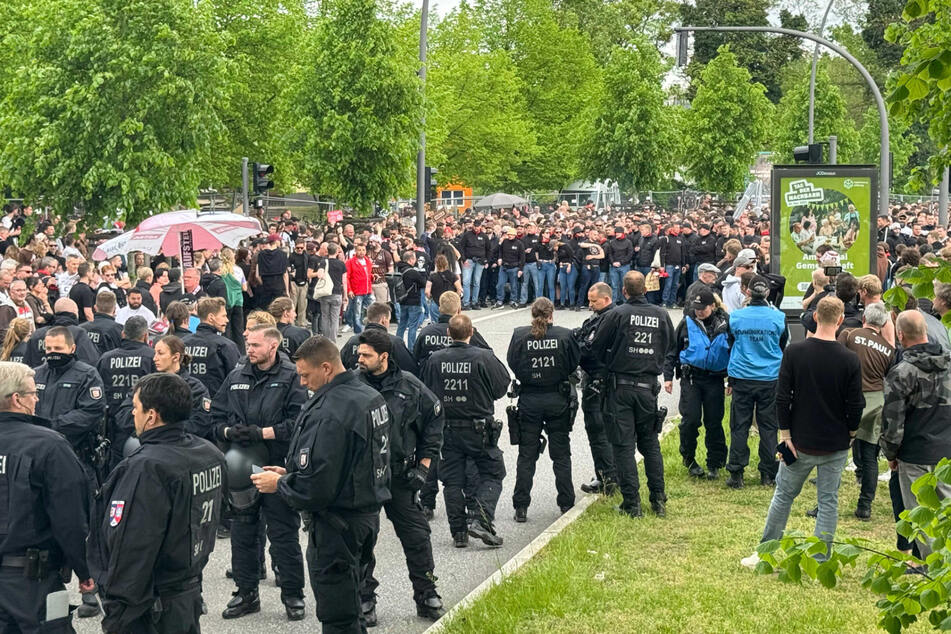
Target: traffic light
[[431, 184], [682, 46], [262, 177], [811, 153]]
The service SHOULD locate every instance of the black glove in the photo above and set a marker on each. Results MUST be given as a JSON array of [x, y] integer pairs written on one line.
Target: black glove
[[245, 435], [416, 477]]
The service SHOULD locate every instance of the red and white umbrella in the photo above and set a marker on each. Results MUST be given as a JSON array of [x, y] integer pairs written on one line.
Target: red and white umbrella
[[161, 233]]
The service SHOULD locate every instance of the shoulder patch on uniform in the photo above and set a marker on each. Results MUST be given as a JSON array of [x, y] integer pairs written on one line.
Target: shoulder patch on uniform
[[303, 458], [95, 393], [115, 512], [206, 404]]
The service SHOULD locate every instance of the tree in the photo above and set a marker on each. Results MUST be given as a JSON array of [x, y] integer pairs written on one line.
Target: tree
[[112, 105], [358, 107], [880, 14], [726, 125], [634, 131], [901, 139], [609, 24], [831, 118]]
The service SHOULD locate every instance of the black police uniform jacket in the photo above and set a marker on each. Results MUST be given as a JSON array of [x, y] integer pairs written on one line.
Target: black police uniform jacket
[[468, 380], [104, 332], [543, 364], [73, 399], [213, 356], [19, 352], [436, 337], [416, 418], [36, 347], [592, 364], [268, 398], [292, 337], [121, 369], [199, 421], [155, 523], [339, 453], [401, 356], [44, 496], [634, 338]]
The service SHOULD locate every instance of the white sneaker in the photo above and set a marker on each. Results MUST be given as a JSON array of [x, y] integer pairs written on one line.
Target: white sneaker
[[751, 561], [851, 466], [346, 329]]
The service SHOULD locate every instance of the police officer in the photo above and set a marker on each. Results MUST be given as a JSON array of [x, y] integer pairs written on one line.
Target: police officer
[[600, 299], [699, 359], [65, 314], [469, 380], [103, 330], [338, 476], [282, 309], [632, 340], [44, 517], [543, 357], [120, 370], [378, 318], [157, 513], [212, 355], [416, 423], [259, 402]]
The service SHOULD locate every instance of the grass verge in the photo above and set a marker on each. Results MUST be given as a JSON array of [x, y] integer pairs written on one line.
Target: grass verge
[[608, 573]]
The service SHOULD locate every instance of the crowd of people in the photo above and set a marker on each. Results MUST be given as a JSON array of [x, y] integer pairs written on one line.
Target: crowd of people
[[121, 380]]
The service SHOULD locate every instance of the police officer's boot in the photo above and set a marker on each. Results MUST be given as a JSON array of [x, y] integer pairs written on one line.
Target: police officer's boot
[[430, 607], [293, 606], [659, 508], [460, 539], [521, 515], [695, 470], [713, 473], [243, 602], [369, 613], [735, 480], [485, 532], [89, 607], [594, 486], [634, 511]]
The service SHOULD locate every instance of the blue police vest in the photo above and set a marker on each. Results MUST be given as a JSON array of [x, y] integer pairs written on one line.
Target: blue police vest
[[756, 354], [702, 352]]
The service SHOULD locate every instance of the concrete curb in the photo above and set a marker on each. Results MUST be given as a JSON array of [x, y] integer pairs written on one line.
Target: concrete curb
[[523, 556]]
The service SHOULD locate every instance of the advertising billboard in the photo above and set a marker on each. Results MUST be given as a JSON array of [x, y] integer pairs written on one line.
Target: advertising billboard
[[813, 205]]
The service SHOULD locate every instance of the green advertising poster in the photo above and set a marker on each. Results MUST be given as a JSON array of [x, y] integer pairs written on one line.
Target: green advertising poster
[[815, 205]]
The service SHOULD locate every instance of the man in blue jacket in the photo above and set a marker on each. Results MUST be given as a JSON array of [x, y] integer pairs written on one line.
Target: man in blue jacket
[[758, 336]]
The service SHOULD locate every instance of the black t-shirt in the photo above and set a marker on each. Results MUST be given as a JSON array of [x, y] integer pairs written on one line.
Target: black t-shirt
[[299, 263], [337, 270], [442, 281], [272, 265], [84, 296]]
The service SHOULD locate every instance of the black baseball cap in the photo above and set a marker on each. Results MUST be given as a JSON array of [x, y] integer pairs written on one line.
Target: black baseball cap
[[704, 298]]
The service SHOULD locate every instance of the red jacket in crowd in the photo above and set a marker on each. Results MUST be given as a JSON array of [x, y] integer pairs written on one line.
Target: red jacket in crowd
[[360, 276]]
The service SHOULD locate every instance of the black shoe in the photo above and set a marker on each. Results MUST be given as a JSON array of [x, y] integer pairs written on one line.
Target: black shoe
[[460, 540], [735, 481], [864, 513], [560, 306], [89, 607], [294, 606], [713, 474], [497, 305], [428, 513], [694, 470], [594, 486], [767, 480], [242, 603], [659, 508], [223, 532], [277, 579], [565, 509], [475, 307], [521, 305], [813, 512], [430, 608], [521, 515], [369, 613], [631, 512], [480, 531]]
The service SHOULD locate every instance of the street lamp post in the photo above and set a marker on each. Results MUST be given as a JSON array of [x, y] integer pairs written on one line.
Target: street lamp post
[[421, 183], [812, 77], [873, 87]]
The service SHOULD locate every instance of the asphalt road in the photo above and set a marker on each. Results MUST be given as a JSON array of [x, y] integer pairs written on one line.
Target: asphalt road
[[458, 570]]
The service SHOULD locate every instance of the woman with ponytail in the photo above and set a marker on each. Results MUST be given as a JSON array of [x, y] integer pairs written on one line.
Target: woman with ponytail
[[14, 343], [170, 357]]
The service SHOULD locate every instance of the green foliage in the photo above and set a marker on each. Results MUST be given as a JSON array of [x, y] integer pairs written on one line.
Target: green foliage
[[610, 24], [906, 598], [634, 130], [831, 118], [357, 108], [881, 14], [111, 105], [902, 141], [726, 125], [918, 282]]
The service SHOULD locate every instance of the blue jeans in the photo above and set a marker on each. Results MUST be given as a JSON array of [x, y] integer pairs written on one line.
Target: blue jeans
[[789, 483], [548, 275], [410, 319], [355, 311], [471, 278], [587, 276], [617, 281], [507, 274], [670, 288], [567, 283], [531, 272], [432, 309]]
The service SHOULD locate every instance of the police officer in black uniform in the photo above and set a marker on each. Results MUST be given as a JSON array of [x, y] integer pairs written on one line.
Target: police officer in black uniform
[[469, 380], [282, 309], [259, 402], [338, 476], [120, 370], [416, 423], [65, 314], [45, 511], [633, 340], [103, 330], [212, 354], [543, 357], [378, 318], [699, 359], [157, 514], [594, 387]]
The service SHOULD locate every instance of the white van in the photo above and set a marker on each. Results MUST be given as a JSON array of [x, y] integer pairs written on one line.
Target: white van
[[601, 193]]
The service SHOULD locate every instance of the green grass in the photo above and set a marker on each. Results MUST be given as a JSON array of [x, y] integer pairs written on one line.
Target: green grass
[[608, 573]]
